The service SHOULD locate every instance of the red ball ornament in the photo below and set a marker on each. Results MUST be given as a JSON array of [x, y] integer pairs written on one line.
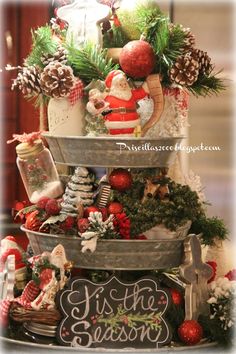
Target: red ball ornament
[[137, 59], [115, 208], [177, 297], [52, 207], [83, 225], [190, 332], [90, 209], [120, 179], [32, 221]]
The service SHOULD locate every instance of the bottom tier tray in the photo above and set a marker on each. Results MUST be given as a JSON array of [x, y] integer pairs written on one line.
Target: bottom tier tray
[[113, 254], [19, 347]]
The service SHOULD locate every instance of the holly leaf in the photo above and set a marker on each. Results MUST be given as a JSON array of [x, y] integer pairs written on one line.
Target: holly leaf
[[53, 220]]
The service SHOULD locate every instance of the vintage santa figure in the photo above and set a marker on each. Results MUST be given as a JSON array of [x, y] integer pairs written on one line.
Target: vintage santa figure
[[9, 247], [96, 103], [122, 118]]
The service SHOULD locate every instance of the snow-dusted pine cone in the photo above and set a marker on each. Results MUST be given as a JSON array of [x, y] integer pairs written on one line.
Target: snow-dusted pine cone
[[60, 55], [189, 41], [28, 80], [57, 80], [204, 61], [185, 71], [189, 38]]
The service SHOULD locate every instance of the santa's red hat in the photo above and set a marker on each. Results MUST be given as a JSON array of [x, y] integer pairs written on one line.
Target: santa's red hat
[[110, 77]]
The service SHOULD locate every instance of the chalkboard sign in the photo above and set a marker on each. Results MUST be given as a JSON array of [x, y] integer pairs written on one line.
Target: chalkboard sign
[[113, 314]]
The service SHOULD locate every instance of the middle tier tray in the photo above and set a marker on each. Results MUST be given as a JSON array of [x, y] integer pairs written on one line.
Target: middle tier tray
[[113, 254], [112, 151]]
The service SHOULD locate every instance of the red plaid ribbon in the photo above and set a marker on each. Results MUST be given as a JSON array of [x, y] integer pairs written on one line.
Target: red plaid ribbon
[[76, 92], [29, 294]]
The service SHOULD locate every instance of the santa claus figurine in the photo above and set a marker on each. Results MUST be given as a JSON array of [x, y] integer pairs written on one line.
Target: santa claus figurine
[[9, 246], [122, 118], [96, 103]]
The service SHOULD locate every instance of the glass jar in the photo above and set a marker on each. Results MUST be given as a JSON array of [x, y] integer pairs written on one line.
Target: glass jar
[[38, 171]]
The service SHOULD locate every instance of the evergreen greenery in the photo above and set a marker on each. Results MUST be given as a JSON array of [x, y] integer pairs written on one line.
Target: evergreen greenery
[[214, 331], [211, 229], [183, 205], [155, 26], [166, 39], [42, 43], [207, 85], [150, 20], [43, 263], [129, 24], [175, 316], [115, 37], [90, 62], [38, 100]]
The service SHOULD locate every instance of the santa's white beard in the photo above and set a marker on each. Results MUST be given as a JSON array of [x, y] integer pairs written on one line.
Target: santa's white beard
[[121, 94]]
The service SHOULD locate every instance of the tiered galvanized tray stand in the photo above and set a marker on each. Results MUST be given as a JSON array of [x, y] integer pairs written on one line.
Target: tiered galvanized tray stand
[[120, 255]]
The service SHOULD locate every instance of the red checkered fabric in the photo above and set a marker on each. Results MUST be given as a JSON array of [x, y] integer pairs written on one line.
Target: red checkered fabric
[[4, 310], [30, 292], [76, 92]]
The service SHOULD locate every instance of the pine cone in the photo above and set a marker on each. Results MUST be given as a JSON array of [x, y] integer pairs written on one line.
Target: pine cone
[[204, 61], [60, 55], [57, 80], [28, 80], [185, 70], [189, 41]]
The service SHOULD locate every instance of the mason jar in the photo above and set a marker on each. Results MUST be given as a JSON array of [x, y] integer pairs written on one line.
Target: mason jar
[[38, 171]]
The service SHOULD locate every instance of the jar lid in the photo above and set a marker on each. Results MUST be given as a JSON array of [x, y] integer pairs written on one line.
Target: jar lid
[[25, 150], [41, 329]]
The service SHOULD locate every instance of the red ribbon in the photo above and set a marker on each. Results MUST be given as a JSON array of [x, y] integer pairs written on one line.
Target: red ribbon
[[26, 138]]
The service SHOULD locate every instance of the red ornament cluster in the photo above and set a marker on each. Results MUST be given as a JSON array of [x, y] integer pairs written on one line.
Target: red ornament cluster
[[120, 179], [122, 225]]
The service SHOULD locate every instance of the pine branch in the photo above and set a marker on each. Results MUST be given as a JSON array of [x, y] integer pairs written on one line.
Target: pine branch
[[211, 229], [214, 331], [38, 100], [148, 20], [183, 205], [42, 42], [175, 43], [167, 43], [115, 38], [207, 85], [90, 62]]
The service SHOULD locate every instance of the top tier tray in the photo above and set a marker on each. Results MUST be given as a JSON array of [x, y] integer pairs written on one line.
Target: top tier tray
[[113, 152]]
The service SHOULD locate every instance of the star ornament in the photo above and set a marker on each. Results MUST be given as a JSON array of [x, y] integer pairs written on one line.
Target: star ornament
[[84, 18]]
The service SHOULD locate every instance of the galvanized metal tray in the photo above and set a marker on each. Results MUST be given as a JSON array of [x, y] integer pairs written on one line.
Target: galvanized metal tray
[[112, 151], [113, 254], [19, 347]]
